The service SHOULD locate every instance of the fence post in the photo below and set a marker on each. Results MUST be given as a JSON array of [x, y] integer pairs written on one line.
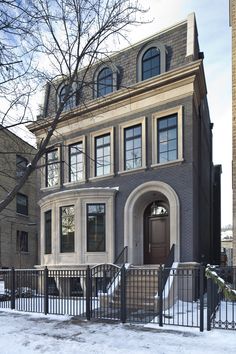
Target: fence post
[[88, 293], [209, 303], [123, 295], [46, 290], [160, 295], [13, 289], [202, 272]]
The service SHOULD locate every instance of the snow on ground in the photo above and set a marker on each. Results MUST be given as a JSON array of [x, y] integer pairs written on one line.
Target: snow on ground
[[23, 333]]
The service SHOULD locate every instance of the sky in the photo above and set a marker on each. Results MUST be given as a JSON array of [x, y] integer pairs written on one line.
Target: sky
[[214, 36], [215, 41]]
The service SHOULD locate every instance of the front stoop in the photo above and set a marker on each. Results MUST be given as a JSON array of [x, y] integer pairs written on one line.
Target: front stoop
[[141, 287]]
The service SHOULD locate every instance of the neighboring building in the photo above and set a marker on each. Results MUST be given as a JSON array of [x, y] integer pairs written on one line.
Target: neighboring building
[[227, 246], [18, 232], [133, 167], [233, 25]]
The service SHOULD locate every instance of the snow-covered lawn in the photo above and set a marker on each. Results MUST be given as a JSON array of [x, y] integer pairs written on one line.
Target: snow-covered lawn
[[23, 333]]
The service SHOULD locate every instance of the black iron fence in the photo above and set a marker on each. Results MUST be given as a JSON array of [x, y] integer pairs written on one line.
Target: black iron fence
[[135, 294], [221, 309]]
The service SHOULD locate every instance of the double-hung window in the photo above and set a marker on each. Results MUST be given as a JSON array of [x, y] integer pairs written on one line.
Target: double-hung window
[[48, 231], [67, 221], [96, 239], [22, 204], [167, 130], [103, 155], [76, 162], [167, 136], [133, 147], [52, 168]]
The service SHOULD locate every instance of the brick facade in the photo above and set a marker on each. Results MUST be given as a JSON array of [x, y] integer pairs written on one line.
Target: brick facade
[[11, 221], [187, 181]]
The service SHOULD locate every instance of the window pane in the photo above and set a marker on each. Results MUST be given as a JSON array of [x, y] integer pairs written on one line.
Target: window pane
[[167, 139], [48, 232], [129, 132], [137, 163], [163, 157], [162, 136], [95, 227], [129, 144], [137, 143], [172, 145], [102, 155], [172, 121], [137, 153], [163, 147], [22, 204], [150, 63], [172, 155], [133, 147], [52, 169], [75, 162], [172, 134], [67, 228], [162, 123], [104, 82], [129, 165], [70, 101]]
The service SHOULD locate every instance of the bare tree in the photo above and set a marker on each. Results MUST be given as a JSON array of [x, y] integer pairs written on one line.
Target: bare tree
[[16, 67], [70, 36]]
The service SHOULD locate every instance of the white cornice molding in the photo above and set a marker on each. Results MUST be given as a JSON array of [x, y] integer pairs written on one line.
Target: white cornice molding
[[82, 192], [135, 92]]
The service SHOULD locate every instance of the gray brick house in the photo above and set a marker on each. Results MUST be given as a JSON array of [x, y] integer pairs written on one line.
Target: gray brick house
[[133, 167]]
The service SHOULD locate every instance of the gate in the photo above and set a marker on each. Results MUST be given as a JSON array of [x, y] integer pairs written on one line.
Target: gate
[[104, 293]]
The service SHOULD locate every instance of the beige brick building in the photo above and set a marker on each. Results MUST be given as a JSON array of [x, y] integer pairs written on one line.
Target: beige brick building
[[18, 235], [233, 25]]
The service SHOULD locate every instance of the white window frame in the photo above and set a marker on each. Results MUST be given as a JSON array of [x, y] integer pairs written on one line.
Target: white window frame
[[93, 136], [164, 114], [114, 78], [162, 49], [122, 128], [43, 162], [80, 139], [73, 97]]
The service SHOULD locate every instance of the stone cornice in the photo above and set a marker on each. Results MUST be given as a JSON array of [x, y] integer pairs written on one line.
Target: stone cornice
[[192, 72], [82, 192]]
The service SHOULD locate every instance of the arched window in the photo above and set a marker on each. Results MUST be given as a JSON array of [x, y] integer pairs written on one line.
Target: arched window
[[151, 63], [104, 82], [70, 102], [151, 60]]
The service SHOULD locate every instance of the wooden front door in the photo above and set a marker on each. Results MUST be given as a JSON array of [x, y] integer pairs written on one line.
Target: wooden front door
[[157, 239]]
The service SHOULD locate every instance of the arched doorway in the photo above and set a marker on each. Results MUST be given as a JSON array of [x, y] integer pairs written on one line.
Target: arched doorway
[[137, 202], [156, 233]]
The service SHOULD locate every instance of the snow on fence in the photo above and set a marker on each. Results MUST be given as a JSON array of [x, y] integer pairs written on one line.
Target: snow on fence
[[138, 295]]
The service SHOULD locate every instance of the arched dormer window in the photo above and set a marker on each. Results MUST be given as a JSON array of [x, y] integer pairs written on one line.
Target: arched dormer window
[[71, 99], [151, 61], [104, 82]]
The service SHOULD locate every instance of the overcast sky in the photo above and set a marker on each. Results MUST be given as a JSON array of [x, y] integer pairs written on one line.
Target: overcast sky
[[215, 41]]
